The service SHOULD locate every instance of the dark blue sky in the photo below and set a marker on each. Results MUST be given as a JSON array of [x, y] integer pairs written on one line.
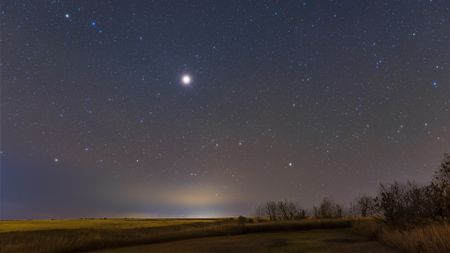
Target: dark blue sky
[[288, 99]]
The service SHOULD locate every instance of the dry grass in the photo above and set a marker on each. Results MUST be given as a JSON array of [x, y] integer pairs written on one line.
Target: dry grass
[[91, 238], [433, 238], [428, 239], [92, 234], [311, 241], [33, 225], [368, 227]]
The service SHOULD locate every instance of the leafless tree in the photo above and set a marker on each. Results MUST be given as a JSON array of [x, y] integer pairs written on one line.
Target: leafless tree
[[440, 187], [366, 206], [328, 209], [283, 210], [405, 205], [271, 209]]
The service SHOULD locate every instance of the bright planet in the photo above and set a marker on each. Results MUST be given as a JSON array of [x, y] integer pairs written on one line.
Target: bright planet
[[186, 80]]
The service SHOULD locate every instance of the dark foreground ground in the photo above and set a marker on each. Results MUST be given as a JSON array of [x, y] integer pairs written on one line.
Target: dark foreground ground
[[312, 241]]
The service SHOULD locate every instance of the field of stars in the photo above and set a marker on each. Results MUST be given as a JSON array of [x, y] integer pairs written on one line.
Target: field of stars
[[209, 108]]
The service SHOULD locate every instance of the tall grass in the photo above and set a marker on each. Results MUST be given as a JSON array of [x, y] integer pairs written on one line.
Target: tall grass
[[428, 239], [432, 238], [71, 240]]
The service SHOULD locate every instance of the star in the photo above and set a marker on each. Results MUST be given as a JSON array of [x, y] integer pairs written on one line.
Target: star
[[186, 80], [67, 15], [435, 84], [56, 159]]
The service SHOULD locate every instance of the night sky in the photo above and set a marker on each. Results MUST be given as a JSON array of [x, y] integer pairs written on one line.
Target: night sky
[[286, 100]]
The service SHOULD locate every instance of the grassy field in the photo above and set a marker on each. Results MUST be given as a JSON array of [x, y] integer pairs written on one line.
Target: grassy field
[[432, 238], [81, 234], [323, 241], [33, 225], [84, 235], [191, 235]]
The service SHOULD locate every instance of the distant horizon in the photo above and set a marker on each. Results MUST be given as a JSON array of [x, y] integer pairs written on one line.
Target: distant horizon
[[212, 214]]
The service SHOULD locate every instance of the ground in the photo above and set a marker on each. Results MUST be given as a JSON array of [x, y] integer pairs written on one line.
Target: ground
[[183, 235], [312, 241], [36, 225]]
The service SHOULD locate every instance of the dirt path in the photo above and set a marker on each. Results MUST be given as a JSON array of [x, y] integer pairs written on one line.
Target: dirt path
[[314, 241]]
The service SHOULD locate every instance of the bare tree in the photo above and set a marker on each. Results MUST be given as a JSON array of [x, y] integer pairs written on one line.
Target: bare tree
[[282, 210], [328, 209], [289, 210], [271, 209], [292, 210], [440, 187], [366, 206], [405, 205]]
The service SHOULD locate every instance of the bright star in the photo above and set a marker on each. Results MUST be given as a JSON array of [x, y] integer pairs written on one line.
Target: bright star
[[67, 15], [186, 80], [435, 84]]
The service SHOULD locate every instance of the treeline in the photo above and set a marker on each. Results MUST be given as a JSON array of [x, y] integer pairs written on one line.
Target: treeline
[[410, 204], [397, 204], [287, 210], [282, 210]]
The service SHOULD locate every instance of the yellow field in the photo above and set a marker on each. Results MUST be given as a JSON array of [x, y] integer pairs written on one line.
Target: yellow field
[[44, 236], [33, 225], [85, 235]]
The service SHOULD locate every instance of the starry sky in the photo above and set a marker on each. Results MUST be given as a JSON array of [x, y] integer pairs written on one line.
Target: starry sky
[[286, 100]]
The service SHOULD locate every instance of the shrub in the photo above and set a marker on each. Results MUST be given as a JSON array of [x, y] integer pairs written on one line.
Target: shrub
[[328, 209], [282, 210], [366, 206], [242, 219], [440, 189], [405, 205], [260, 219]]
